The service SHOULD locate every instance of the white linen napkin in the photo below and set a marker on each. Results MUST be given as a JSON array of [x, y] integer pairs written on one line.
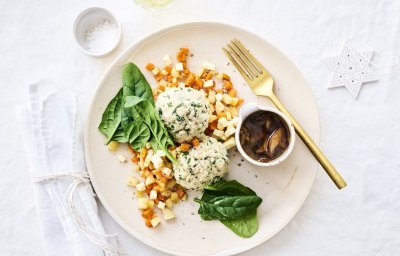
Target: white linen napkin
[[64, 197]]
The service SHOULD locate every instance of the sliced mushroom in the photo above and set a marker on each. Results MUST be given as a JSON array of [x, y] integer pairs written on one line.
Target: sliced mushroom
[[275, 140]]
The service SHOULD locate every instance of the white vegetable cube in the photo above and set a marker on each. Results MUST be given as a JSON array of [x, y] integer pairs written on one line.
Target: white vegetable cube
[[141, 186], [167, 60], [168, 203], [149, 180], [234, 121], [229, 131], [226, 99], [168, 214], [230, 143], [161, 205], [132, 181], [208, 66], [113, 146], [218, 133], [234, 112], [147, 160], [219, 107], [212, 108], [136, 168], [164, 72], [122, 158], [228, 115], [166, 171], [157, 161], [160, 152], [179, 66], [153, 194], [219, 76], [142, 203], [208, 84], [162, 83], [155, 221], [218, 96], [211, 97], [155, 71], [234, 101], [174, 73], [222, 123]]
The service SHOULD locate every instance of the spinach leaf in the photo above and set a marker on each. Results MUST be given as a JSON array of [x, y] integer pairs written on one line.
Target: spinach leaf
[[119, 135], [137, 134], [135, 84], [142, 109], [229, 207], [231, 187], [245, 226], [231, 203], [111, 118]]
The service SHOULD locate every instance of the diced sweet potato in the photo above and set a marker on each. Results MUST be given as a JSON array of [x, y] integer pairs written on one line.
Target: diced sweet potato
[[232, 92], [184, 147], [150, 66], [195, 142]]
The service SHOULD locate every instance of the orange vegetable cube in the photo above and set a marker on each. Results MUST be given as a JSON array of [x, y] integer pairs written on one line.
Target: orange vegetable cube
[[195, 142], [184, 51], [225, 77], [181, 57], [184, 147], [227, 85], [150, 66], [232, 92]]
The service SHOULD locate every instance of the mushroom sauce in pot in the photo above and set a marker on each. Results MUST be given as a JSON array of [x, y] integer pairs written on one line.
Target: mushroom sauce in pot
[[264, 136]]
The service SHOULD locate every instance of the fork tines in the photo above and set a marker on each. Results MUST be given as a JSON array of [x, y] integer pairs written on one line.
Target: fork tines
[[244, 61]]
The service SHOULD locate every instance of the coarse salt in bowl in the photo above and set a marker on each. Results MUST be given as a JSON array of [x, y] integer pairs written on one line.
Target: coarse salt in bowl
[[97, 31]]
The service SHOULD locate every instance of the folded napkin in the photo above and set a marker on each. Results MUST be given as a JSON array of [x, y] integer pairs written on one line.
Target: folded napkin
[[64, 197]]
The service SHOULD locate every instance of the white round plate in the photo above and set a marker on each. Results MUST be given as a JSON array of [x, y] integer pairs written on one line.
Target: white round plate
[[283, 188]]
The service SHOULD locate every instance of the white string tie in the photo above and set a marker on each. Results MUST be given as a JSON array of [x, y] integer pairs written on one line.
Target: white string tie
[[81, 178]]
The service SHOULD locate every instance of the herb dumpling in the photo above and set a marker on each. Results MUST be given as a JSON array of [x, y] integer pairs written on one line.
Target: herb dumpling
[[202, 165], [184, 112]]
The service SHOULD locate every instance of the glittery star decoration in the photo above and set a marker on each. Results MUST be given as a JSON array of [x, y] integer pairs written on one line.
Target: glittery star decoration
[[351, 69]]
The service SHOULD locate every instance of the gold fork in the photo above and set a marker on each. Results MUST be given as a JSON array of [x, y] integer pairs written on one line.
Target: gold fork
[[262, 84]]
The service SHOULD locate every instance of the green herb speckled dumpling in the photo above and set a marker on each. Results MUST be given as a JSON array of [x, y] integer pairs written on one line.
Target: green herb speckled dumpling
[[202, 165], [184, 112]]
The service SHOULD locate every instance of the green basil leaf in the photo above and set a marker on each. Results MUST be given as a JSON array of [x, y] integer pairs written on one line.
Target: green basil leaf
[[112, 116], [245, 226]]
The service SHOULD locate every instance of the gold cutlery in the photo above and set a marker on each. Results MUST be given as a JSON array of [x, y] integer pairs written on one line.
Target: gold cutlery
[[262, 84]]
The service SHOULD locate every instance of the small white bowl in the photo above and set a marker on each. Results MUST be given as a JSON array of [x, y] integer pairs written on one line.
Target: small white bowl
[[250, 108], [89, 17]]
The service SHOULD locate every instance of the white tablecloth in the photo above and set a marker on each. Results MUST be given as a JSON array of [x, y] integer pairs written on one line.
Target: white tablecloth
[[362, 137]]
